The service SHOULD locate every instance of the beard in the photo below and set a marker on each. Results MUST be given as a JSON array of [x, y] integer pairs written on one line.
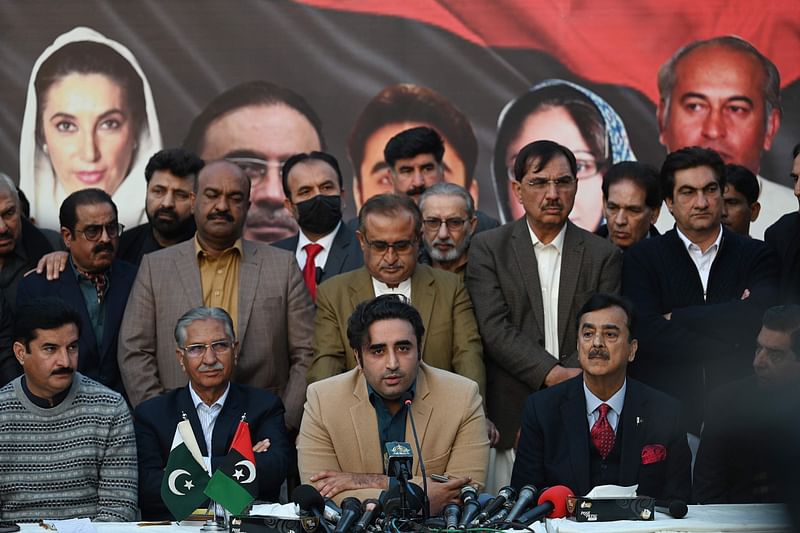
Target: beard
[[170, 226], [447, 256]]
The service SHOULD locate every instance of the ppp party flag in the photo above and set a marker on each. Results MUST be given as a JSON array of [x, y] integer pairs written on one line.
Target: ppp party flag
[[233, 484], [185, 476]]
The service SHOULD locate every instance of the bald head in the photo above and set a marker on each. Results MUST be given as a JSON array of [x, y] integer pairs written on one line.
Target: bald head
[[222, 166]]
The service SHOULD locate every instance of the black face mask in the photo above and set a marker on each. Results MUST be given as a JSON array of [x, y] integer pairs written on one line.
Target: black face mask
[[320, 214]]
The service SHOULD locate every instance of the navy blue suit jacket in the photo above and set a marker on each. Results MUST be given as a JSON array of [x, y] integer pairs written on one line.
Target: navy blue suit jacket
[[155, 421], [95, 360], [554, 443], [345, 253]]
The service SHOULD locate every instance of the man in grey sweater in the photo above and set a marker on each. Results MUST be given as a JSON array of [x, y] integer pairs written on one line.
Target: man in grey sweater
[[67, 446]]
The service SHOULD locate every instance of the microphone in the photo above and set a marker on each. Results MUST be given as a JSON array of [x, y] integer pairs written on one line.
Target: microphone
[[397, 460], [674, 508], [332, 512], [500, 515], [527, 494], [351, 512], [451, 513], [370, 510], [311, 503], [552, 504], [407, 398], [505, 494], [471, 505]]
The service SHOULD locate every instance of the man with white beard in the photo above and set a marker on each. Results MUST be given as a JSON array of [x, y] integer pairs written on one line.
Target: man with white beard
[[448, 223]]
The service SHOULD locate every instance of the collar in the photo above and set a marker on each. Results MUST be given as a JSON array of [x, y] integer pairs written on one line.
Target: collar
[[689, 245], [616, 402], [326, 242], [374, 396], [43, 402], [79, 275], [200, 252], [558, 242], [404, 287], [196, 401]]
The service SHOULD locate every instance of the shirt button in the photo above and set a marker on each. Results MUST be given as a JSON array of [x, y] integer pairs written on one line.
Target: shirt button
[[216, 293], [219, 271]]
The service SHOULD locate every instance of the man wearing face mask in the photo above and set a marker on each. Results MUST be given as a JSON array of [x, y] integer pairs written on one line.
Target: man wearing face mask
[[324, 246]]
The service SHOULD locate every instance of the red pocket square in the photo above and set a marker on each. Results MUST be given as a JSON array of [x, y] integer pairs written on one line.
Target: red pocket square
[[653, 453]]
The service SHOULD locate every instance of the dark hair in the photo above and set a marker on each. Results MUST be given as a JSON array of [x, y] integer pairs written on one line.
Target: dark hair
[[385, 307], [252, 93], [302, 158], [581, 110], [42, 313], [413, 142], [796, 150], [542, 152], [690, 157], [68, 215], [406, 102], [643, 175], [87, 57], [390, 205], [177, 161], [785, 318], [602, 300], [744, 181]]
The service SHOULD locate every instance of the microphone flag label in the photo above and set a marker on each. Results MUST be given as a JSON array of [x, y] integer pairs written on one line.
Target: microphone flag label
[[185, 475], [233, 484]]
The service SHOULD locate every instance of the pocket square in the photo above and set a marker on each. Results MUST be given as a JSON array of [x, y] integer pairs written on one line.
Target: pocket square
[[653, 453]]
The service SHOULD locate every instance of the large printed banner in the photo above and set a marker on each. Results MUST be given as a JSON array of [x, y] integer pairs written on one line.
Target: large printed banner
[[490, 76]]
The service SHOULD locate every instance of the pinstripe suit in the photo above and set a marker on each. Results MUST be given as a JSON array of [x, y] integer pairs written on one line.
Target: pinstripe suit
[[276, 318]]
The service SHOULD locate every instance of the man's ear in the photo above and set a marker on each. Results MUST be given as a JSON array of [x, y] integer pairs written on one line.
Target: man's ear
[[773, 123], [358, 359], [661, 116], [19, 352], [755, 209]]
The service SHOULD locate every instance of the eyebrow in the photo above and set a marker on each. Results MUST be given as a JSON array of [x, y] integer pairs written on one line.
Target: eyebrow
[[603, 326], [380, 165], [245, 153]]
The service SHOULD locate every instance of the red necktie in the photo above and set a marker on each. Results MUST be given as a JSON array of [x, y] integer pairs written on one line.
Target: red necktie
[[310, 270], [602, 433]]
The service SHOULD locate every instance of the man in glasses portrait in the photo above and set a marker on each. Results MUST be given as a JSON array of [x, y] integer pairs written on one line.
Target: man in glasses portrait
[[389, 233], [94, 281], [448, 223]]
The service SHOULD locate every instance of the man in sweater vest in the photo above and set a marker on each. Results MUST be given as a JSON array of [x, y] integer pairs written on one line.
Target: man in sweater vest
[[66, 442]]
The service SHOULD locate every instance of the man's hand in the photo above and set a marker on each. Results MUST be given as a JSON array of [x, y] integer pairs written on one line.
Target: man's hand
[[330, 483], [261, 446], [668, 316], [440, 494], [53, 264], [494, 434], [745, 294], [560, 373]]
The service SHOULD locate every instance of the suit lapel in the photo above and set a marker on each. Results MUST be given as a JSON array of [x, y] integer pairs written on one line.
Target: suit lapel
[[632, 420], [227, 421], [69, 291], [423, 296], [186, 406], [248, 283], [422, 410], [571, 260], [116, 296], [188, 272], [364, 422], [337, 254], [573, 415], [361, 288], [528, 268]]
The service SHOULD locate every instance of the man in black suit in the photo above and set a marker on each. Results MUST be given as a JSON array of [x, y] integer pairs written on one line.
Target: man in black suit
[[324, 246], [94, 282], [784, 238], [699, 290], [602, 428], [207, 351]]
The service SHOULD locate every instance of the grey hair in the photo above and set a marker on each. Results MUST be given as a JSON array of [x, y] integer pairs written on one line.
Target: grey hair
[[6, 183], [449, 189], [203, 313], [772, 85]]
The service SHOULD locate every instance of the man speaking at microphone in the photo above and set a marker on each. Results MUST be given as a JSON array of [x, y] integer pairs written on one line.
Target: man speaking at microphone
[[350, 417], [600, 428]]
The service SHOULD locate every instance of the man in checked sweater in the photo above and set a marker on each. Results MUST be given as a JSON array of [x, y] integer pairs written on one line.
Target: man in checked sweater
[[67, 447]]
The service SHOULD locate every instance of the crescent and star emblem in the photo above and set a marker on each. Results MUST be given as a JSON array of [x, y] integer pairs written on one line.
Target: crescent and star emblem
[[238, 473], [173, 481]]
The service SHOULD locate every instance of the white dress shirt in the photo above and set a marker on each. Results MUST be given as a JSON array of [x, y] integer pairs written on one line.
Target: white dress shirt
[[702, 260], [548, 259], [380, 288], [208, 415], [615, 404], [322, 257]]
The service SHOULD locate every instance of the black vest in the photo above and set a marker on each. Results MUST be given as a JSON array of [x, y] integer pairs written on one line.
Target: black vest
[[606, 472]]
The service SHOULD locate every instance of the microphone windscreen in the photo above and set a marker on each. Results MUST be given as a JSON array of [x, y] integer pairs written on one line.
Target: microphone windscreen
[[308, 498], [557, 495]]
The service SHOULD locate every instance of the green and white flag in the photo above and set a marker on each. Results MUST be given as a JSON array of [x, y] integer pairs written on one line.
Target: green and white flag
[[185, 476]]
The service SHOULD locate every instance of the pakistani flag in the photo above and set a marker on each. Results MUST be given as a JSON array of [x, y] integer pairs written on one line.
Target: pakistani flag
[[233, 484], [185, 476]]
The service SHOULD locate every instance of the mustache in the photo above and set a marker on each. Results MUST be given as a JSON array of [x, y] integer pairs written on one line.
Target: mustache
[[224, 215], [6, 234], [597, 352], [209, 368], [103, 247], [448, 241], [167, 211], [416, 191], [65, 370]]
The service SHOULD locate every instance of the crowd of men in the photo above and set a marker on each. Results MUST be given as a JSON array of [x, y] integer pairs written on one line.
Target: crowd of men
[[529, 353]]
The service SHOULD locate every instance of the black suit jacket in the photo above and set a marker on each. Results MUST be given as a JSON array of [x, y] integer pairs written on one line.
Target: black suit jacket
[[345, 253], [784, 237], [155, 421], [707, 342], [554, 444], [95, 360]]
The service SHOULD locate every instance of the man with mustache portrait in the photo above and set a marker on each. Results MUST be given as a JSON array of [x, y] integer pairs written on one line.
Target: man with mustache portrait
[[94, 281]]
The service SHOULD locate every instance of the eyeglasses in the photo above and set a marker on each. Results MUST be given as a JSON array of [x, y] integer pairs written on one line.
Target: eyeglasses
[[382, 246], [453, 224], [256, 169], [540, 184], [199, 349], [93, 232]]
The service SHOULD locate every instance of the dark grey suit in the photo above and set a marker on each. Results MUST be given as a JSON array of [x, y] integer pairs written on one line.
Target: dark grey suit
[[503, 281], [345, 253]]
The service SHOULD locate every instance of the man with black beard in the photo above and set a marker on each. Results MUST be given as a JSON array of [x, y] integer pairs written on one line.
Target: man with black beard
[[170, 176], [448, 223], [324, 246]]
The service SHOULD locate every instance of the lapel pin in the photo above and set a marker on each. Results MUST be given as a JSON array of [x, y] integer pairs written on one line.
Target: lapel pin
[[639, 420]]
